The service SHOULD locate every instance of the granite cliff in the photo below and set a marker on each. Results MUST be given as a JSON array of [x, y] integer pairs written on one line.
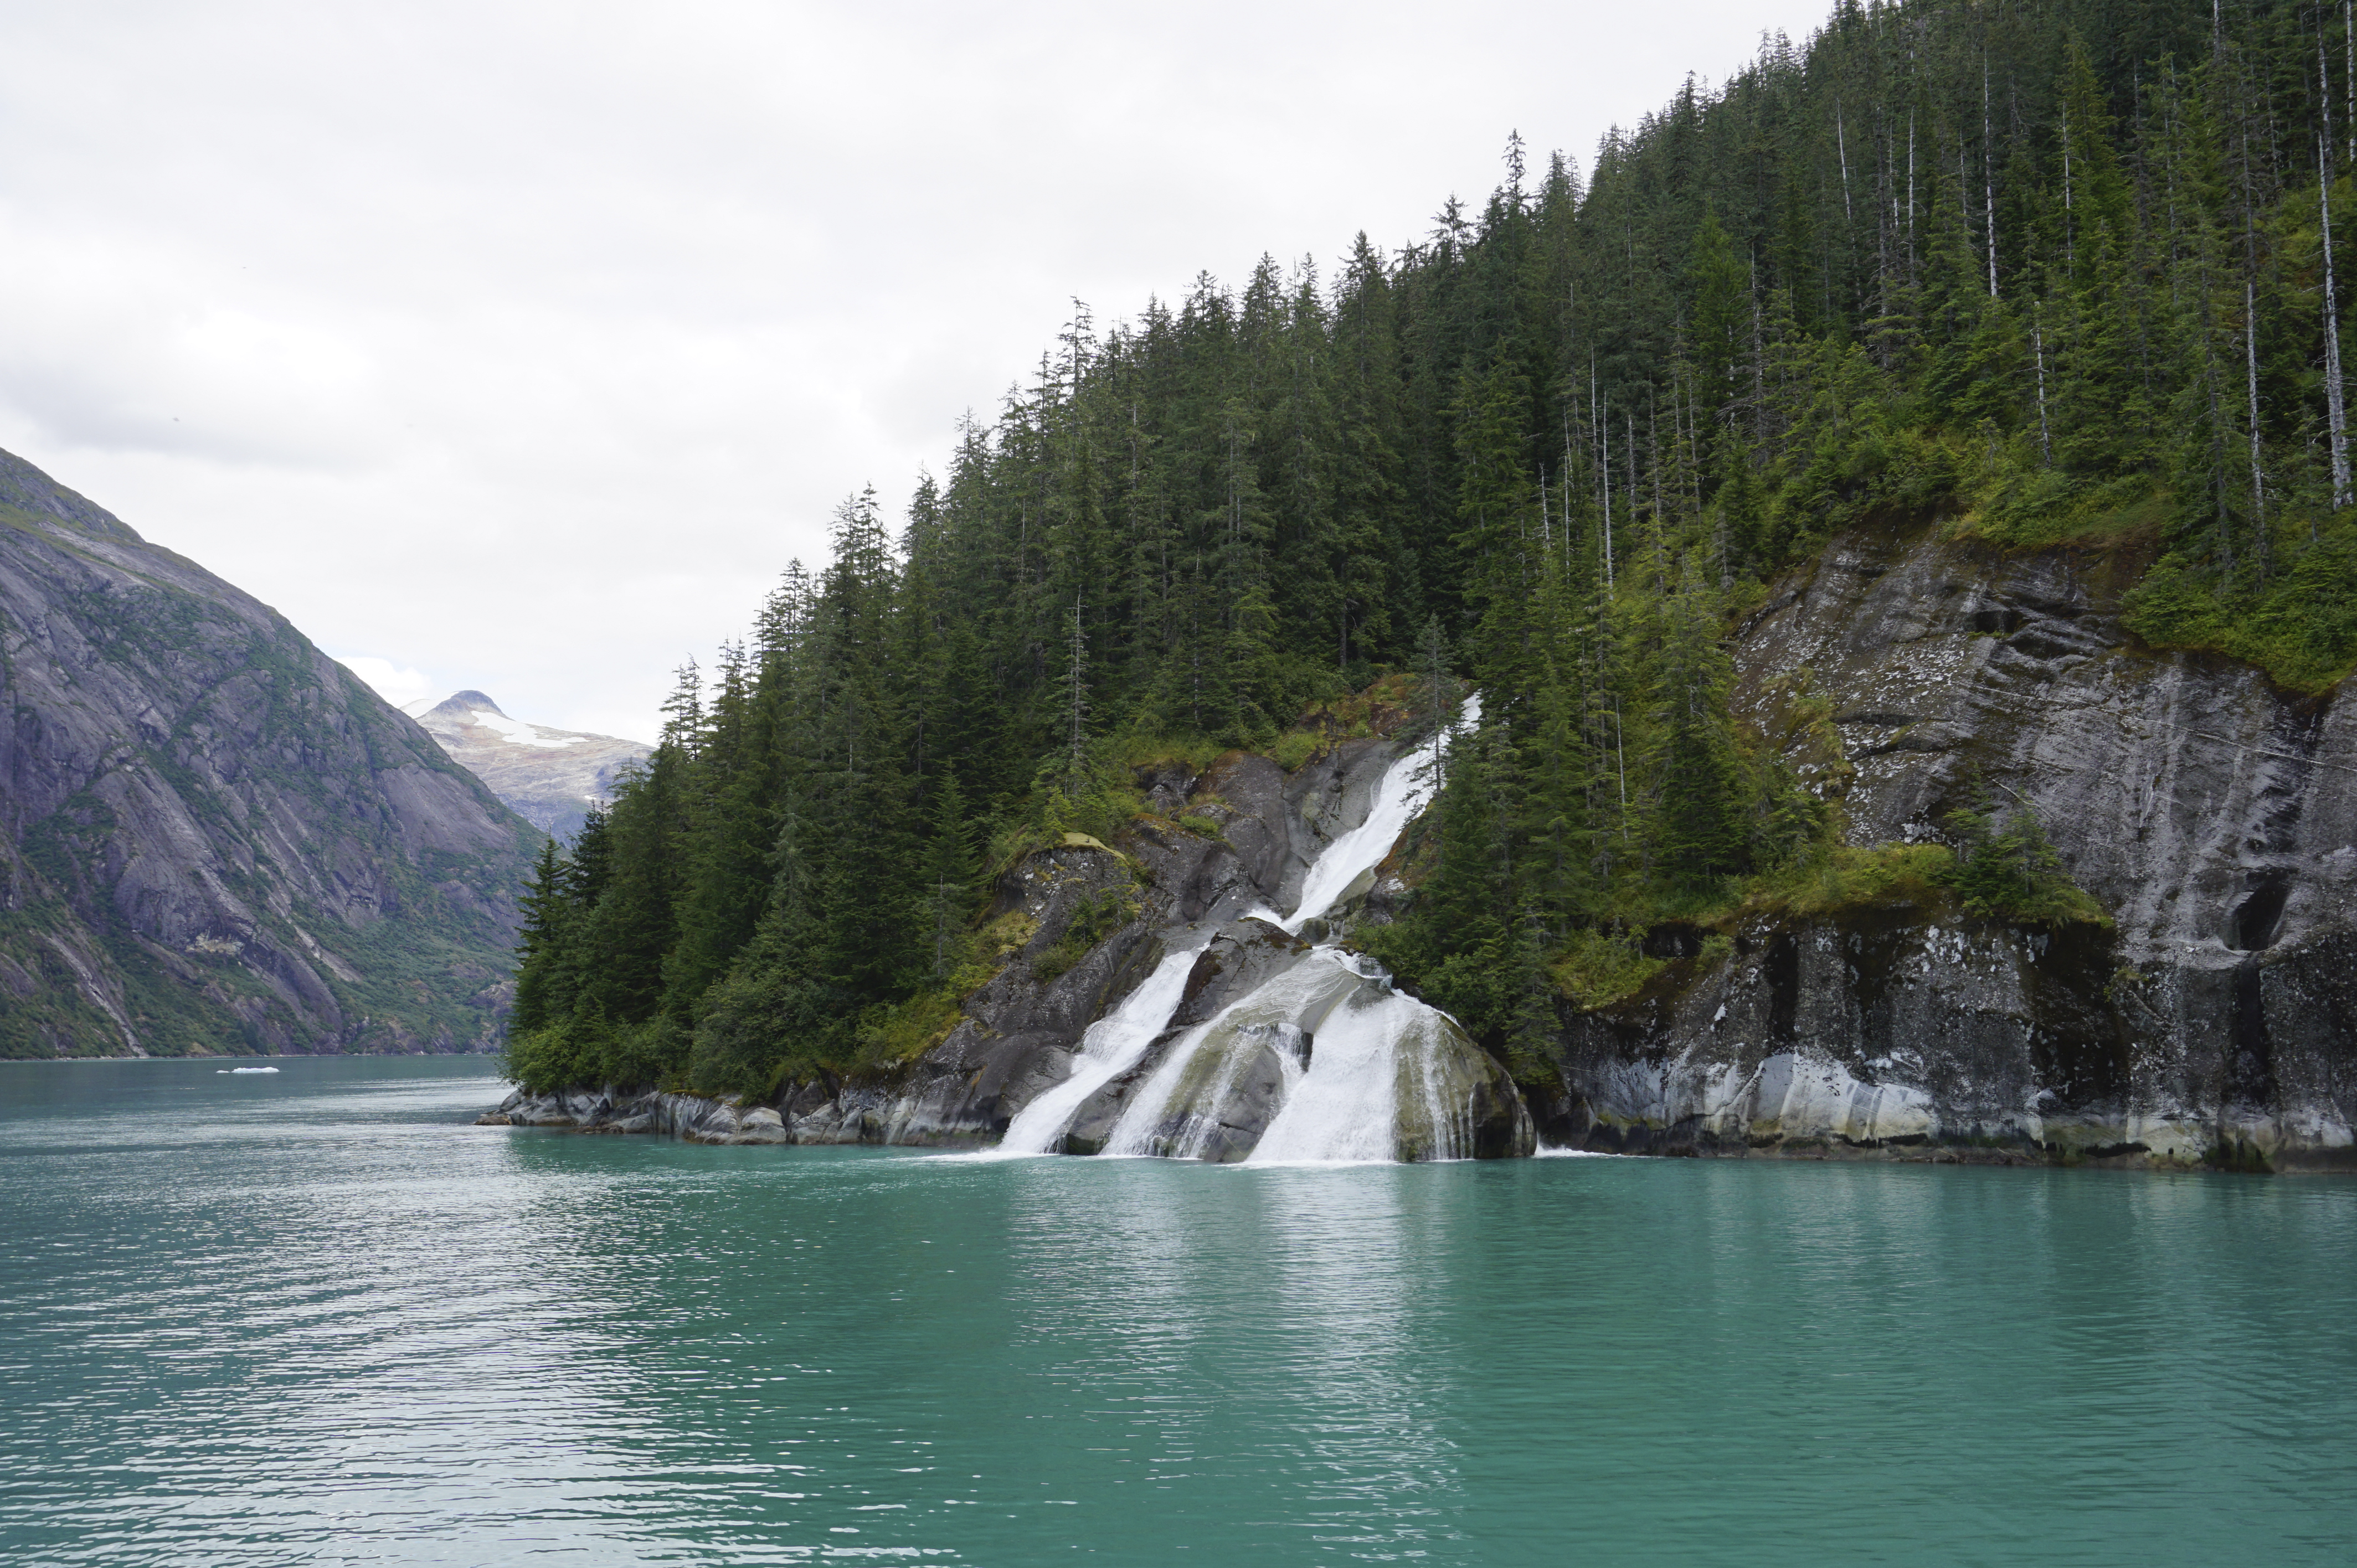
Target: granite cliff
[[2213, 816], [213, 838]]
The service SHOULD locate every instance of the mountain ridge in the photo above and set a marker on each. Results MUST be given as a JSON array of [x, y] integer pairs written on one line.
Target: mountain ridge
[[213, 838], [552, 777]]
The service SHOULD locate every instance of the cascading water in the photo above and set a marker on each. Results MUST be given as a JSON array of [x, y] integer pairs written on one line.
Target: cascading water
[[1385, 1083], [1111, 1047], [1399, 794], [1324, 1061], [1253, 1050]]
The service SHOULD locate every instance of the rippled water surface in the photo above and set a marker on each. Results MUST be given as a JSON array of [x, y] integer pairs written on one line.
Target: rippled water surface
[[314, 1317]]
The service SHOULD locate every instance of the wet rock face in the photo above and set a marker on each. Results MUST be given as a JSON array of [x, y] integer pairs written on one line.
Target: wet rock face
[[1020, 1032], [1280, 1050], [2214, 817], [214, 837], [1225, 1121], [1230, 1119]]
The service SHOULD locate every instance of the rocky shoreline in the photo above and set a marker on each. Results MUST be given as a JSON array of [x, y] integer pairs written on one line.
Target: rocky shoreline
[[693, 1117]]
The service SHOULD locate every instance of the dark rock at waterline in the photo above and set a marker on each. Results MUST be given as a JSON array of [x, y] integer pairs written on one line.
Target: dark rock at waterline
[[1092, 1124], [1499, 1119], [1228, 1128]]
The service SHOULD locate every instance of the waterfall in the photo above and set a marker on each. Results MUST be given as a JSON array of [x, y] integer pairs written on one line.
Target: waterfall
[[1111, 1047], [1266, 1035], [1340, 1066], [1323, 1061], [1382, 1086], [1403, 791]]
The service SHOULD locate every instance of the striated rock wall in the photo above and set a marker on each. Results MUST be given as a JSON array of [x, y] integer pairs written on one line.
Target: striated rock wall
[[212, 836], [2213, 816]]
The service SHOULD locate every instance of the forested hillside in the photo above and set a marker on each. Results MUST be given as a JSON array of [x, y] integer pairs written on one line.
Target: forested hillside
[[2040, 272]]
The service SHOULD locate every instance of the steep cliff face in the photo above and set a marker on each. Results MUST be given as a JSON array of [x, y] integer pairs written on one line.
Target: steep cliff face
[[2213, 816], [213, 837], [549, 777]]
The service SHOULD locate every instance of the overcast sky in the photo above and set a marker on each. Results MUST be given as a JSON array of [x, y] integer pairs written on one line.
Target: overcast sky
[[517, 346]]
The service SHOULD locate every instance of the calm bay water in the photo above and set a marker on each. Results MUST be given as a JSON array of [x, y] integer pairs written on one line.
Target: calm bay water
[[314, 1317]]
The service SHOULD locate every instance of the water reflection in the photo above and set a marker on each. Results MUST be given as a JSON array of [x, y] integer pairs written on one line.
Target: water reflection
[[330, 1317], [1222, 1327], [1352, 1250]]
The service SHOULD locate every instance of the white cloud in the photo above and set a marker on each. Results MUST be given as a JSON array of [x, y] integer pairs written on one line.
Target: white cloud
[[394, 684], [528, 341]]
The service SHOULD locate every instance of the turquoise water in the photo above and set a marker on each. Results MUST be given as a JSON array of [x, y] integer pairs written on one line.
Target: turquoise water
[[314, 1317]]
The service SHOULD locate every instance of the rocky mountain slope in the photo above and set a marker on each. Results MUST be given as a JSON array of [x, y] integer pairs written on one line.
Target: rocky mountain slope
[[213, 837], [551, 777], [2213, 1022]]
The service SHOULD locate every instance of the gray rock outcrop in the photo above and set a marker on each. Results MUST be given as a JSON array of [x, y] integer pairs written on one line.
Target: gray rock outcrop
[[212, 836], [2213, 815]]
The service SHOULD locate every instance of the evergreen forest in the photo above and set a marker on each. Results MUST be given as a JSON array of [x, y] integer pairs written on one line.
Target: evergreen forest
[[2040, 272]]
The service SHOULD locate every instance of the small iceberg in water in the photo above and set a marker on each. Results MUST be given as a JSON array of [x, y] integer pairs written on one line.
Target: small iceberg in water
[[231, 1069]]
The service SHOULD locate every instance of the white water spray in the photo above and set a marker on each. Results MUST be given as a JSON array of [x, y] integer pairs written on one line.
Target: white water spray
[[1401, 793], [1323, 1062], [1381, 1085], [1179, 1111], [1111, 1047]]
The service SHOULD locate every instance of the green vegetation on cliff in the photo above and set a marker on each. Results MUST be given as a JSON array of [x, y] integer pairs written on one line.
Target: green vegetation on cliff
[[2047, 273]]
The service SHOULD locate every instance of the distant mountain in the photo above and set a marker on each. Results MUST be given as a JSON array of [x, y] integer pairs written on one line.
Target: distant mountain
[[214, 838], [549, 776]]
